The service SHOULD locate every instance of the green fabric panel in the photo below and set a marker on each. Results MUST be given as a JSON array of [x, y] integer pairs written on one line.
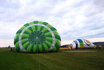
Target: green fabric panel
[[54, 49], [49, 40], [57, 40], [28, 30], [25, 35], [24, 41], [31, 23], [40, 48], [48, 33], [29, 47], [17, 47], [17, 35], [48, 25], [16, 38], [34, 48], [35, 22], [36, 27], [45, 47], [17, 44], [19, 31], [40, 22], [26, 25], [55, 32], [48, 36], [57, 36], [48, 44], [45, 23], [39, 27], [33, 28], [57, 44], [81, 43], [22, 28], [37, 48], [53, 29], [44, 29], [25, 45]]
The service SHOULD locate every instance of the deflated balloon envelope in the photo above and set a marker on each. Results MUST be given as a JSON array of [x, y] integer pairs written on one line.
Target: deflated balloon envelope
[[81, 43], [37, 36]]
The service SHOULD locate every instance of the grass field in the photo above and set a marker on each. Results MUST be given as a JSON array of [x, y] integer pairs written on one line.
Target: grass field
[[61, 60]]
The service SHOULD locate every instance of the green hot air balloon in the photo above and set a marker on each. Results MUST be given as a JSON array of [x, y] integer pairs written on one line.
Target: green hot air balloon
[[37, 36]]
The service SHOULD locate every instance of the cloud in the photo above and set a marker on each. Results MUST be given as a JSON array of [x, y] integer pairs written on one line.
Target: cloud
[[72, 18]]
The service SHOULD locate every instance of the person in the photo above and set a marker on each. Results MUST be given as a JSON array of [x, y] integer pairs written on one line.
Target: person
[[10, 48]]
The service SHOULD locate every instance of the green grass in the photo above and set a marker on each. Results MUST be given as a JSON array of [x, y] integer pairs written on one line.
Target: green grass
[[10, 60]]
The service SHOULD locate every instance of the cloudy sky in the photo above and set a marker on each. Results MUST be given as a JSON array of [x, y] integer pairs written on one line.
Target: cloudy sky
[[72, 18]]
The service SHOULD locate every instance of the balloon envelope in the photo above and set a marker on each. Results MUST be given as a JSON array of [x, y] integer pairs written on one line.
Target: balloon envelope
[[37, 36], [81, 43]]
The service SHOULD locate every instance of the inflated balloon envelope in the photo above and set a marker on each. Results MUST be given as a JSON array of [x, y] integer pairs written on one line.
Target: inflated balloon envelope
[[37, 36]]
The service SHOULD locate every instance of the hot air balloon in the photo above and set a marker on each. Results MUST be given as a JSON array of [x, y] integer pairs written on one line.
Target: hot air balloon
[[81, 43], [37, 36]]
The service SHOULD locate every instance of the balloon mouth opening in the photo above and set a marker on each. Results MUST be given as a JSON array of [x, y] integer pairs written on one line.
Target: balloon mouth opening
[[36, 37]]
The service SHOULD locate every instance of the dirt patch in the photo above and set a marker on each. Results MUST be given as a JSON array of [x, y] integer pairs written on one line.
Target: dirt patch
[[85, 51]]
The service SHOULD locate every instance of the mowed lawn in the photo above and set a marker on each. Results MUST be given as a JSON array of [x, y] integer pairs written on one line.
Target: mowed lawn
[[61, 60]]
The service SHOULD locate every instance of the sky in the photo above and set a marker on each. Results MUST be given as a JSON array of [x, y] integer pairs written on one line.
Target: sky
[[72, 18]]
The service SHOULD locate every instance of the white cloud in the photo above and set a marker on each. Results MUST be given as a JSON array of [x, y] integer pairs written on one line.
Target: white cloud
[[72, 18]]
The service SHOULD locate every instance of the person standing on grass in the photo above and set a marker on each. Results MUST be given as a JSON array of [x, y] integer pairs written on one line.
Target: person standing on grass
[[10, 48]]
